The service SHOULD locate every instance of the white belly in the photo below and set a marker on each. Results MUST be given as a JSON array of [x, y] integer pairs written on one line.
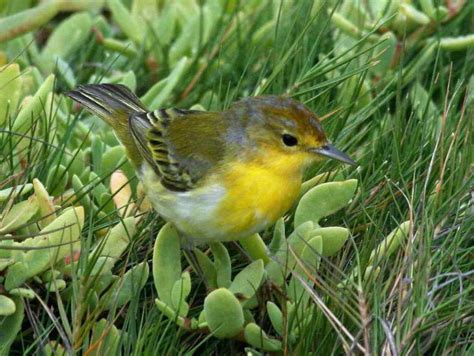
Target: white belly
[[193, 213]]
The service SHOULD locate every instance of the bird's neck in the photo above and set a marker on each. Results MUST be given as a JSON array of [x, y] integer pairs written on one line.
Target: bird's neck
[[283, 164]]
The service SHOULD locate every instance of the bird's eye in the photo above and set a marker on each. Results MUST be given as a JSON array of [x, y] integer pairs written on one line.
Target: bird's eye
[[289, 140]]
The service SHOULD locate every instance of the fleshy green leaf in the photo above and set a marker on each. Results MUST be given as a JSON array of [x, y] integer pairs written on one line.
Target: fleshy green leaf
[[45, 203], [222, 264], [113, 159], [67, 38], [256, 337], [278, 236], [117, 240], [130, 286], [10, 90], [308, 263], [10, 326], [172, 315], [180, 292], [391, 243], [277, 272], [57, 179], [255, 247], [5, 261], [208, 269], [298, 239], [276, 317], [7, 306], [248, 280], [171, 81], [18, 215], [64, 231], [13, 192], [23, 292], [166, 262], [56, 285], [224, 314], [36, 106], [333, 238], [107, 338], [312, 252], [125, 20], [323, 200]]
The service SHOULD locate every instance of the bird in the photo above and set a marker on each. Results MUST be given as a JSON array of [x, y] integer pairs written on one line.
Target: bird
[[216, 176]]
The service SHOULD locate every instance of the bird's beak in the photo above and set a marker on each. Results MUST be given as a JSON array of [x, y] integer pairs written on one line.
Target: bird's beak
[[329, 151]]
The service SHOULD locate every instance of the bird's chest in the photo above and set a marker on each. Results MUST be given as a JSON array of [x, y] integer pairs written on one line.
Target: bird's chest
[[232, 204], [256, 196]]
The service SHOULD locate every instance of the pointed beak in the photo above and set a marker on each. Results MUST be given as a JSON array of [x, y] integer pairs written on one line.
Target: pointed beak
[[330, 151]]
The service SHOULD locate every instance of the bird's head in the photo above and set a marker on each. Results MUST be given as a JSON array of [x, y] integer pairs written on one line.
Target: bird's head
[[287, 127]]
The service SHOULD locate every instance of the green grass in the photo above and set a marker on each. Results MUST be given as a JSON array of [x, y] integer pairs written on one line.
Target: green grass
[[409, 127]]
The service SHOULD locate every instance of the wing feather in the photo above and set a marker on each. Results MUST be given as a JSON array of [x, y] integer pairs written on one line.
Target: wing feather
[[163, 141]]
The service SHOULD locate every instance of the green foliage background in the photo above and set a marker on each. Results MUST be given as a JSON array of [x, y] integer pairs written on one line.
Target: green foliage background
[[395, 83]]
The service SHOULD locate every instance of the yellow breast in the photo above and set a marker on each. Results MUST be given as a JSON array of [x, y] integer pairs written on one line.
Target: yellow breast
[[258, 193], [240, 199]]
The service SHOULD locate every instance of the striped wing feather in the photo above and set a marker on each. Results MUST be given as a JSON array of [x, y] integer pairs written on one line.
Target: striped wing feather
[[167, 145]]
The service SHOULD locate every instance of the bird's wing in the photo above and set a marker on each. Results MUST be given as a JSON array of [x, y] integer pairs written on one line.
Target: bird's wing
[[182, 146]]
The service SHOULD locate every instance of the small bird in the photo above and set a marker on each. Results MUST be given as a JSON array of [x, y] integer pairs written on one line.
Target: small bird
[[216, 176]]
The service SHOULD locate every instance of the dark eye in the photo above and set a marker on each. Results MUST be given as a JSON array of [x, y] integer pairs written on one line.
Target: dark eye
[[289, 140]]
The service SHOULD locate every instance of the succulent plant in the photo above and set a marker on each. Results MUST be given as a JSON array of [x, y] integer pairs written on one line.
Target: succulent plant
[[41, 223], [48, 258], [230, 303], [71, 209]]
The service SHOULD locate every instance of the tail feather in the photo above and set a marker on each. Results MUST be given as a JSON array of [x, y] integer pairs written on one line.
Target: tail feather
[[108, 101], [115, 104]]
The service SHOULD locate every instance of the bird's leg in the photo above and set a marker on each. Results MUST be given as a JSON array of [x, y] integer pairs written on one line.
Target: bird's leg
[[189, 251]]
